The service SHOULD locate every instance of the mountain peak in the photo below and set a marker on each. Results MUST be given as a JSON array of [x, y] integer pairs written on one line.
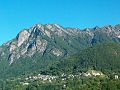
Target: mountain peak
[[96, 28], [49, 29], [49, 26]]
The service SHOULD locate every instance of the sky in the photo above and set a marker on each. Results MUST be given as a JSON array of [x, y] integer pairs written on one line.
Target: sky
[[16, 15]]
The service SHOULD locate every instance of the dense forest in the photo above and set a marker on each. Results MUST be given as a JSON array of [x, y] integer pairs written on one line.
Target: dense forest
[[103, 57], [70, 73], [62, 83]]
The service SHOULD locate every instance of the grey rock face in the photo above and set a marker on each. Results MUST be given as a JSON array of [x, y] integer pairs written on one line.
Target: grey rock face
[[23, 36]]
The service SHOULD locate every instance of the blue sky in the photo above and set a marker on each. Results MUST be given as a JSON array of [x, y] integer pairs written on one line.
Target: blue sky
[[16, 15]]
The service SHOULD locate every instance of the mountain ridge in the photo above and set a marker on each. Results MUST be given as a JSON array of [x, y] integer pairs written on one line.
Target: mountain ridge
[[42, 45], [96, 27], [49, 31]]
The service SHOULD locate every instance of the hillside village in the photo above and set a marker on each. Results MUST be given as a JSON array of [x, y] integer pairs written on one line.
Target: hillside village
[[50, 79]]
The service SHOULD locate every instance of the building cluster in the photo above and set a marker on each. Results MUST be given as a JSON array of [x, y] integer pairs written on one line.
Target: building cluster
[[42, 77]]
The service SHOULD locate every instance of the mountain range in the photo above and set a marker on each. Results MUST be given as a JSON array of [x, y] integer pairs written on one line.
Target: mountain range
[[44, 45]]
